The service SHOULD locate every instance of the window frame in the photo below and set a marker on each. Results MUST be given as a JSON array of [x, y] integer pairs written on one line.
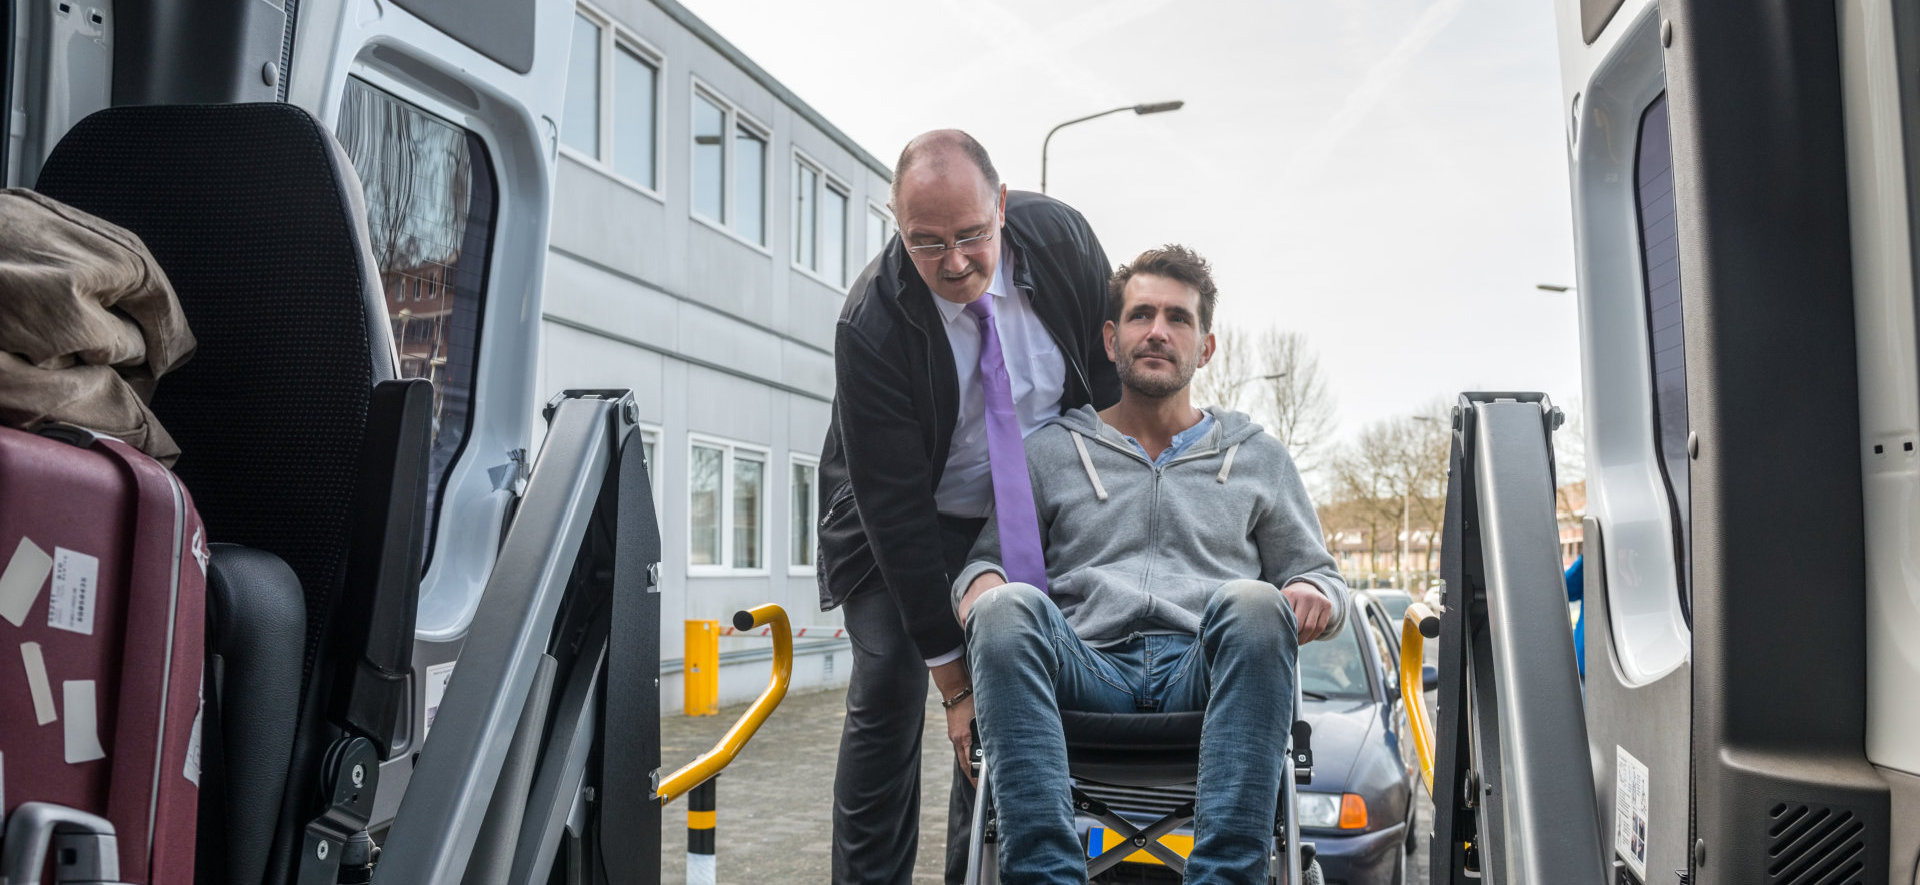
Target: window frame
[[604, 23], [614, 37], [733, 120], [654, 435], [891, 227], [825, 180], [730, 449], [813, 507]]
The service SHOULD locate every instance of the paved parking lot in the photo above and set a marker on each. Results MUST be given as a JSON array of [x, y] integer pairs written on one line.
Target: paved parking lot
[[776, 799]]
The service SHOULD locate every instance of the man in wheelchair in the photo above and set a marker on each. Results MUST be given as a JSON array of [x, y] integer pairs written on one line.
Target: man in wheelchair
[[1183, 565]]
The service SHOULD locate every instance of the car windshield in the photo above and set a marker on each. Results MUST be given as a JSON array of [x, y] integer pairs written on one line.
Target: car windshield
[[1395, 603], [1334, 667]]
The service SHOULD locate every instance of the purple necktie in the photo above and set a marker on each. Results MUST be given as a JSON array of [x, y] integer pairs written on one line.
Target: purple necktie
[[1007, 454]]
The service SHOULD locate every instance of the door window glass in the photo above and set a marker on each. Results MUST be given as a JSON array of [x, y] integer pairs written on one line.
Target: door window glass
[[430, 201]]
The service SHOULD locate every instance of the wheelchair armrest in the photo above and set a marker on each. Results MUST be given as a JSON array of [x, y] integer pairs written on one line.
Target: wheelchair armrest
[[1301, 749]]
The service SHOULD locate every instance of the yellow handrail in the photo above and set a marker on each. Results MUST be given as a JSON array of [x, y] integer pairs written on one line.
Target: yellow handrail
[[710, 763], [1416, 626]]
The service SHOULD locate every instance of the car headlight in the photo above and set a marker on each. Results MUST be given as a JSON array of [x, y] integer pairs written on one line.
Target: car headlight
[[1344, 811], [1319, 809]]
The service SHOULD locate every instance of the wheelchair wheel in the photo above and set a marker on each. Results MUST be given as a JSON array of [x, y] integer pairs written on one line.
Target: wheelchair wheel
[[1313, 876]]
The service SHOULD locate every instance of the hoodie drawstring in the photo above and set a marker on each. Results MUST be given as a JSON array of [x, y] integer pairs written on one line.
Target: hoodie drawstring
[[1086, 460], [1224, 468]]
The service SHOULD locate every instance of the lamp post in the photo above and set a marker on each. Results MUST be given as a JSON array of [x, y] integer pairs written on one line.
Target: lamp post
[[1151, 108]]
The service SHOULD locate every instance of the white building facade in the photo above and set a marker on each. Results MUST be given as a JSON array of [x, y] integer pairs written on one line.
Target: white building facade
[[705, 227]]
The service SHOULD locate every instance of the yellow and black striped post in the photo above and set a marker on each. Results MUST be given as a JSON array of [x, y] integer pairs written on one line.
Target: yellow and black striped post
[[700, 818]]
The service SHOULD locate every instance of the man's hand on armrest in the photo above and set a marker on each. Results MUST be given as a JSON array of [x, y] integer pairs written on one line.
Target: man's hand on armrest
[[986, 581], [1311, 610]]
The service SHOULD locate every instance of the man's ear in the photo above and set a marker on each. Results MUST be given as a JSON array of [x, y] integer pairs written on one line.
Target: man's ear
[[1003, 203], [1206, 351], [1107, 334]]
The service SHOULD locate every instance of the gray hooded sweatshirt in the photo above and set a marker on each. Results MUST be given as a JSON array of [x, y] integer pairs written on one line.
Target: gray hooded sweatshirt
[[1134, 548]]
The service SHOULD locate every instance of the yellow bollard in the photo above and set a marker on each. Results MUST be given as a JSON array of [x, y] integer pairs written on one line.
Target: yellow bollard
[[701, 676]]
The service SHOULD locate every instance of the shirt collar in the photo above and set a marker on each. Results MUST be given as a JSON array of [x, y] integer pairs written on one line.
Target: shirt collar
[[1001, 286]]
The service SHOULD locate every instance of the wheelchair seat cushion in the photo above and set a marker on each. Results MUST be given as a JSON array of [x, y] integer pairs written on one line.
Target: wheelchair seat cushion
[[1133, 749], [1143, 732]]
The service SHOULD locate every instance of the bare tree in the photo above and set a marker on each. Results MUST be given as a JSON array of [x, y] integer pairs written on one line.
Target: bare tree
[[1393, 477], [1274, 376], [1293, 401], [1224, 380]]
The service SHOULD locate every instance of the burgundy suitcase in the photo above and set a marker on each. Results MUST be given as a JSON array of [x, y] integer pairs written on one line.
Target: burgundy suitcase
[[102, 617]]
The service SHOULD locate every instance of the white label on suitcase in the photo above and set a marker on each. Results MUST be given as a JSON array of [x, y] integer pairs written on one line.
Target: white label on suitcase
[[83, 722], [37, 683], [20, 583], [70, 605], [192, 770], [438, 676]]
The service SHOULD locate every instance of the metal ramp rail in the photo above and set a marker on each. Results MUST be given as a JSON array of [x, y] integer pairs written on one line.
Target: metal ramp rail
[[543, 765], [1509, 773]]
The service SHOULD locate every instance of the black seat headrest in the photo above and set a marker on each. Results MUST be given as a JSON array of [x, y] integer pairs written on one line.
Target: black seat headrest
[[254, 212]]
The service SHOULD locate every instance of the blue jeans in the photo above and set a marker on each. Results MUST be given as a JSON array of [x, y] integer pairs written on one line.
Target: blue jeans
[[1028, 665]]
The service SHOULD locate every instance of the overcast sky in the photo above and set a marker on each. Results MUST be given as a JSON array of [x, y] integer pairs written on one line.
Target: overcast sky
[[1386, 176]]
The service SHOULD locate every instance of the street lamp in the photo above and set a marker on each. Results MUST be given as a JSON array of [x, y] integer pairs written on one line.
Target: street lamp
[[1152, 108]]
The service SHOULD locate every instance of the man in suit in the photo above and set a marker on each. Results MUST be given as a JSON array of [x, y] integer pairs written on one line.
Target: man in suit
[[975, 325]]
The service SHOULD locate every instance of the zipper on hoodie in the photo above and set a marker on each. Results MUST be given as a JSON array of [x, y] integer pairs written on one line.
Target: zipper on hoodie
[[1153, 520], [1153, 502]]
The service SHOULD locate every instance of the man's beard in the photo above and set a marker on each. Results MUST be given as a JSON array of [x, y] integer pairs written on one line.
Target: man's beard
[[1157, 385]]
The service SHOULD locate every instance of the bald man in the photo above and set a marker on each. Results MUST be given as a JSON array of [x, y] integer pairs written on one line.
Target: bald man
[[1015, 282]]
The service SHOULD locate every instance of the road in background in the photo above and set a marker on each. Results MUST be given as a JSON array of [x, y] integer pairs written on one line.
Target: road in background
[[776, 800]]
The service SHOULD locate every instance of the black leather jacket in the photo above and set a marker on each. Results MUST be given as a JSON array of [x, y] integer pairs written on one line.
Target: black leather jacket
[[897, 397]]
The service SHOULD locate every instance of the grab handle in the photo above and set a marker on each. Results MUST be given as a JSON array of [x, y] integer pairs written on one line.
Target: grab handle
[[1416, 626], [710, 763]]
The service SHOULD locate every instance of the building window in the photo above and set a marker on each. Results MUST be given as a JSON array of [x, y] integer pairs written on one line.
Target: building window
[[880, 229], [636, 88], [749, 492], [613, 98], [729, 171], [429, 192], [709, 159], [750, 183], [803, 503], [582, 128], [819, 223], [806, 183], [726, 516], [705, 478]]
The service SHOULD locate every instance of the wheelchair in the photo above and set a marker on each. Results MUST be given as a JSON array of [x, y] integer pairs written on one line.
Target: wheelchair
[[1137, 754]]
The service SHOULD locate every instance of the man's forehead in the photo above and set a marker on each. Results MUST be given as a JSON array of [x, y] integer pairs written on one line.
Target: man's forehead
[[1167, 293]]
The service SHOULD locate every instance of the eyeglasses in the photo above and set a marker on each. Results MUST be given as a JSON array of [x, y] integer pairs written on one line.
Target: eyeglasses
[[968, 246]]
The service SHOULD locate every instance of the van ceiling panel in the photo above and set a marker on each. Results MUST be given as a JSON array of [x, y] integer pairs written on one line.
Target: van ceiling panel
[[499, 29]]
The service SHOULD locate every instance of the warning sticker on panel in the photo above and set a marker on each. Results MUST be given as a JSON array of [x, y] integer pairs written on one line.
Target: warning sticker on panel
[[1630, 811], [438, 676], [75, 580]]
